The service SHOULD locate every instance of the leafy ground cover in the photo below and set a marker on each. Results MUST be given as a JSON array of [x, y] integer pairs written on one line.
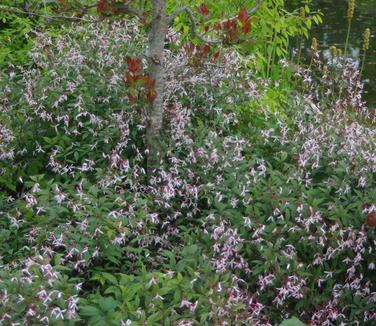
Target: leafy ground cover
[[258, 213]]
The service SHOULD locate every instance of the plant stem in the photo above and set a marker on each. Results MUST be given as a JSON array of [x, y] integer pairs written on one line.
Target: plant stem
[[363, 62], [300, 50], [271, 54], [348, 36]]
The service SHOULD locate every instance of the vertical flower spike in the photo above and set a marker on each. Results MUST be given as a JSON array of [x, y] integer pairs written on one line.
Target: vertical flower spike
[[350, 15], [302, 13], [333, 51], [366, 37], [314, 45], [350, 9]]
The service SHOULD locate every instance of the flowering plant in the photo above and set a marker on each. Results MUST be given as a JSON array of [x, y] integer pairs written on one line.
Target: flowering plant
[[231, 229]]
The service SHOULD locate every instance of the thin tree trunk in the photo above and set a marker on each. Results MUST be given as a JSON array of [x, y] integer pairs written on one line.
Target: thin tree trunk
[[157, 37]]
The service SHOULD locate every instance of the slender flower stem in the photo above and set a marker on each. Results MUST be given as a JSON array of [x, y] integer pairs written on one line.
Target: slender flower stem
[[366, 37], [347, 37], [350, 15], [363, 62], [300, 50]]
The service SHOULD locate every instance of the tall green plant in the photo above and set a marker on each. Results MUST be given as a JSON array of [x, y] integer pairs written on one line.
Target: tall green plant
[[350, 15], [278, 26], [366, 37], [20, 19]]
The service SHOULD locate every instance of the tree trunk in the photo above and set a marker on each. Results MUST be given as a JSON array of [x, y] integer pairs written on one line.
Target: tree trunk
[[158, 32]]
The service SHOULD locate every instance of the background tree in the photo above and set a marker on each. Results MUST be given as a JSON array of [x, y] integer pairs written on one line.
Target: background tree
[[211, 24], [157, 22], [19, 19]]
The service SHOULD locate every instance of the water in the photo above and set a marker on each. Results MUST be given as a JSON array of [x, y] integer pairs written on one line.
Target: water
[[334, 29]]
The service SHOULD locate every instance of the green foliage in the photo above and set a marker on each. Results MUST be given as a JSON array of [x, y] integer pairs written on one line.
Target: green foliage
[[19, 294], [243, 223], [271, 31], [274, 30], [16, 38], [19, 25], [292, 322], [156, 297]]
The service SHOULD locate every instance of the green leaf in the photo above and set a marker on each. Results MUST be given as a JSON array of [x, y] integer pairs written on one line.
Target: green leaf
[[110, 278], [292, 322], [89, 311], [107, 304], [155, 317], [180, 278]]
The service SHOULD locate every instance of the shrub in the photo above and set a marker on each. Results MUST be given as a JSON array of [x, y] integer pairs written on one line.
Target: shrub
[[232, 229]]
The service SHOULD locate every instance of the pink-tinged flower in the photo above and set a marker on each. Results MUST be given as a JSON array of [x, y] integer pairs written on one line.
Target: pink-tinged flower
[[255, 307], [153, 281], [187, 304], [293, 288], [58, 313], [30, 200], [72, 307], [264, 281], [154, 218]]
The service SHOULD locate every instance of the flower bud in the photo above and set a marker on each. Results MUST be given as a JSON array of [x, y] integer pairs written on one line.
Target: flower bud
[[333, 51], [350, 9], [366, 36], [302, 13], [314, 45]]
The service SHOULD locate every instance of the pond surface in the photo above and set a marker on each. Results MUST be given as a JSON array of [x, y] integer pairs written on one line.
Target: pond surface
[[334, 29]]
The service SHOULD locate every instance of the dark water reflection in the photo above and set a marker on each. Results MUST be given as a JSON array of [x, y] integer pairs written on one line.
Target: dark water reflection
[[334, 29]]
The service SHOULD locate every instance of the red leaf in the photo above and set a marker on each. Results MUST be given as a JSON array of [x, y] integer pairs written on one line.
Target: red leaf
[[371, 219], [246, 26], [204, 10], [206, 48], [132, 98], [101, 5], [152, 94], [217, 26], [230, 25], [243, 15], [134, 65], [127, 78], [148, 82]]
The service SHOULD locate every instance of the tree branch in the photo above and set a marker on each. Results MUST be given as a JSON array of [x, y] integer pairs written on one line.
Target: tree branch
[[126, 9], [193, 24], [191, 16], [250, 11], [31, 13], [255, 7], [176, 13]]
